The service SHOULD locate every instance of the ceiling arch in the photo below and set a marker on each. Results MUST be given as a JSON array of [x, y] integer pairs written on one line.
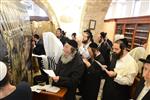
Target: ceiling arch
[[46, 6], [92, 9]]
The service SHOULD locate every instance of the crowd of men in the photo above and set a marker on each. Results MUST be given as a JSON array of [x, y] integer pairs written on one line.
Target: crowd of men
[[83, 67]]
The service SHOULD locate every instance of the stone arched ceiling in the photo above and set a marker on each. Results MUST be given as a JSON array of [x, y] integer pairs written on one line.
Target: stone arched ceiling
[[45, 5], [92, 10]]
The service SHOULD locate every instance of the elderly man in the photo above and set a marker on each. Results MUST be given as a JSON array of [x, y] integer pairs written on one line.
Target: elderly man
[[143, 88], [123, 71], [69, 69]]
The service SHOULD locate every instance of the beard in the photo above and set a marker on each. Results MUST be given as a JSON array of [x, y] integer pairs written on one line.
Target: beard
[[67, 59], [85, 41], [100, 41], [117, 56]]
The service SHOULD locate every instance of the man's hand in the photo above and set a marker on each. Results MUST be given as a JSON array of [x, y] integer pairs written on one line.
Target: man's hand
[[56, 79], [111, 73], [87, 63]]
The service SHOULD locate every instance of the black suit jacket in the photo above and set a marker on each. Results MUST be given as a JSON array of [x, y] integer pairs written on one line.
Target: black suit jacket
[[39, 49], [105, 49], [139, 88], [90, 82]]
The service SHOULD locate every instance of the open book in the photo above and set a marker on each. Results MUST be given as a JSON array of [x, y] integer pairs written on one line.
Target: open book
[[48, 88]]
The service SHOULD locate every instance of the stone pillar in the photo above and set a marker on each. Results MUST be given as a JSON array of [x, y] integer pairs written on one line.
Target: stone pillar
[[94, 10]]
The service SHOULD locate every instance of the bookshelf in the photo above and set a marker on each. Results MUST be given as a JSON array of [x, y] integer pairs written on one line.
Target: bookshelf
[[119, 28], [135, 29]]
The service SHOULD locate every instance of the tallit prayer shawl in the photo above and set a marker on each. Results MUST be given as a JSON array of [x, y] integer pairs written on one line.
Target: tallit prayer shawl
[[53, 48]]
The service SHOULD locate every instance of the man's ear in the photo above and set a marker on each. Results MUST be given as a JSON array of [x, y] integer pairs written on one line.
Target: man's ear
[[73, 50]]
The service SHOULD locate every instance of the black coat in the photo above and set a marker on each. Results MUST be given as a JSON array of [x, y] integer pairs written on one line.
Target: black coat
[[115, 91], [139, 88], [90, 82], [105, 49], [39, 49], [69, 74]]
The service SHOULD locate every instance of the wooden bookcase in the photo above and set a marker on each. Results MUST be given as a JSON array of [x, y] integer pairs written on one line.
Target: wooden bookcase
[[135, 29]]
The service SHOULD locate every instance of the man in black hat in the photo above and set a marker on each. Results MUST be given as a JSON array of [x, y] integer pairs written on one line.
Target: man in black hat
[[69, 69], [90, 82], [143, 88], [105, 46]]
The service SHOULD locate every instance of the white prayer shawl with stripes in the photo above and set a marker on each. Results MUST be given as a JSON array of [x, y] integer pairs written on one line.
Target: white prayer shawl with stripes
[[53, 48]]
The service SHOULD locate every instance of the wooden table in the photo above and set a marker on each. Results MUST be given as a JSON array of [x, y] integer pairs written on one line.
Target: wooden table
[[43, 95]]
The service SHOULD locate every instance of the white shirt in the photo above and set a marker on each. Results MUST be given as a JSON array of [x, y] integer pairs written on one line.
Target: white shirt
[[126, 69], [84, 50], [143, 92]]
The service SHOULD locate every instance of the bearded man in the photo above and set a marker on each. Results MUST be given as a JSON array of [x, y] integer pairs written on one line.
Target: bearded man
[[121, 74], [69, 69], [87, 39]]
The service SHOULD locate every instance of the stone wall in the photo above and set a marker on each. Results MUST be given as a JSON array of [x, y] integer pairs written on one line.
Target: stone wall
[[38, 27], [94, 10], [16, 34]]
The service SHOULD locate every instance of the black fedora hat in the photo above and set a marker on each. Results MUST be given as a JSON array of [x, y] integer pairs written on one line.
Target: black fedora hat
[[93, 45], [73, 43], [147, 60]]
